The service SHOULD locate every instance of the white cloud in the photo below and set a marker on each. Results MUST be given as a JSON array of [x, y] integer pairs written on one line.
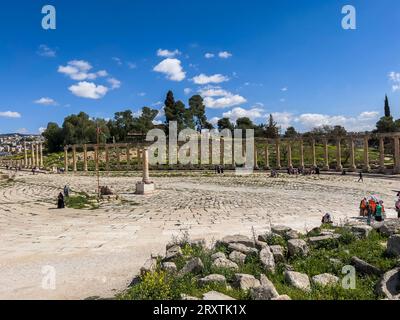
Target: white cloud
[[214, 121], [204, 79], [88, 90], [117, 60], [224, 54], [168, 54], [141, 94], [238, 112], [115, 83], [22, 131], [131, 65], [209, 55], [394, 78], [41, 130], [187, 91], [79, 70], [45, 51], [283, 119], [216, 97], [172, 69], [45, 101], [284, 89], [10, 114]]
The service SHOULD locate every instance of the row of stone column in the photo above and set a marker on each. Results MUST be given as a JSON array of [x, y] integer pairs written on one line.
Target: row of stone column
[[96, 155], [339, 166], [35, 159]]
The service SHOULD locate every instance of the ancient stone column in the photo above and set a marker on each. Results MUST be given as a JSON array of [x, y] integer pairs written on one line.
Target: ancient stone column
[[139, 156], [302, 154], [66, 159], [278, 154], [366, 155], [107, 158], [128, 156], [314, 157], [267, 167], [37, 155], [41, 154], [326, 154], [74, 167], [289, 149], [353, 166], [381, 154], [96, 157], [118, 153], [221, 151], [146, 175], [255, 157], [396, 155], [85, 162], [33, 154], [339, 166], [25, 155]]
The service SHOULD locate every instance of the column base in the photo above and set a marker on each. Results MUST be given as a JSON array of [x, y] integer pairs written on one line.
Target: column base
[[367, 168], [353, 169], [339, 168], [144, 188], [326, 168]]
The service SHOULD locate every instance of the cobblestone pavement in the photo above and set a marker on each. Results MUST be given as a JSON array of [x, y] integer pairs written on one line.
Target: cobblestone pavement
[[97, 252]]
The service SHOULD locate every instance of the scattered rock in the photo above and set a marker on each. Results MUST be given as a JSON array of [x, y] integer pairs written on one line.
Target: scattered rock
[[261, 244], [282, 297], [389, 285], [298, 280], [214, 295], [218, 255], [242, 248], [149, 266], [212, 278], [187, 297], [365, 267], [267, 259], [225, 263], [198, 242], [266, 290], [194, 265], [325, 279], [169, 267], [393, 245], [173, 252], [278, 253], [292, 234], [389, 227], [361, 231], [237, 257], [288, 267], [245, 281], [321, 239], [297, 247], [281, 230], [238, 239]]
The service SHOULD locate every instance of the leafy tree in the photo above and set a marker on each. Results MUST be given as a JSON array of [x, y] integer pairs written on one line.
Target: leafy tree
[[144, 123], [244, 123], [387, 107], [122, 125], [79, 129], [225, 123], [291, 132], [54, 137], [169, 107], [272, 129], [198, 110]]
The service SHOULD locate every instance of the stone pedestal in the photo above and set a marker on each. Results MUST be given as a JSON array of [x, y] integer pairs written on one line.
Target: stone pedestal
[[145, 186]]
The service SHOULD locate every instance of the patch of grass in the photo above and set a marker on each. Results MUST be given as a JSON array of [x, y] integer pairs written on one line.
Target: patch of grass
[[80, 202]]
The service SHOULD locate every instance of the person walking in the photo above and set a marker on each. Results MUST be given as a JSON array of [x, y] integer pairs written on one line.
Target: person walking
[[379, 212], [361, 179], [60, 201]]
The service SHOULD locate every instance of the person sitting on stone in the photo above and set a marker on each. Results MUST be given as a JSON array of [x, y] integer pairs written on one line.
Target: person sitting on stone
[[327, 219]]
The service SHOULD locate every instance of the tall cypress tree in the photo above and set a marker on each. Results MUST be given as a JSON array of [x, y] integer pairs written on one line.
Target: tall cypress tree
[[387, 107], [169, 108]]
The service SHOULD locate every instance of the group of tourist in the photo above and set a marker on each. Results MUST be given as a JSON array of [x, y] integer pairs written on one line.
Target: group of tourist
[[372, 208], [17, 168], [219, 169]]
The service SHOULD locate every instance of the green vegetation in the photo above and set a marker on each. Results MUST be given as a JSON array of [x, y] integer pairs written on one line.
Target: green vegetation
[[322, 259], [81, 201]]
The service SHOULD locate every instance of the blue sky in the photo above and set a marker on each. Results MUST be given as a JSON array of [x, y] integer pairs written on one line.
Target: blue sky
[[247, 58]]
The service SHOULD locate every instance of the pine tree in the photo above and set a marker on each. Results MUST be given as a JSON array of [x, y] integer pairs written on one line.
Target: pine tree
[[272, 130], [387, 107]]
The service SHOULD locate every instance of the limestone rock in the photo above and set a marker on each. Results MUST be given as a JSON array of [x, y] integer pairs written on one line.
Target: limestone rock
[[298, 280], [218, 255], [393, 245], [245, 281], [187, 297], [278, 253], [361, 231], [169, 267], [365, 267], [237, 257], [213, 278], [267, 259], [225, 263], [214, 295], [173, 252], [149, 266], [292, 234], [242, 248], [238, 239], [389, 285], [194, 265], [297, 247], [266, 290], [325, 279], [261, 244], [319, 239], [390, 227], [281, 230]]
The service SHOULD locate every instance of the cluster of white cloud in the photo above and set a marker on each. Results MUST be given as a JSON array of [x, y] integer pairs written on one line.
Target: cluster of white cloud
[[172, 69], [394, 78], [80, 70], [10, 114], [222, 55], [238, 112], [167, 53], [45, 51], [203, 79], [216, 98], [46, 101]]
